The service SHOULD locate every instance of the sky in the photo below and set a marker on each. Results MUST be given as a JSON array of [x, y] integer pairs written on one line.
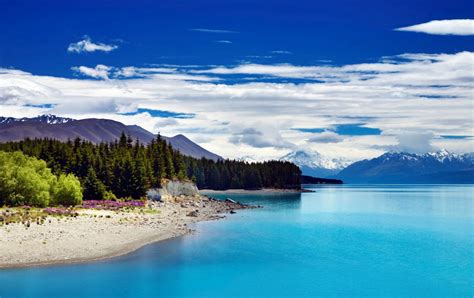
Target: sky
[[256, 78]]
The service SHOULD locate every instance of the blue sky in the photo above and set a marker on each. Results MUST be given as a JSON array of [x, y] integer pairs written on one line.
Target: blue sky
[[159, 31], [257, 78]]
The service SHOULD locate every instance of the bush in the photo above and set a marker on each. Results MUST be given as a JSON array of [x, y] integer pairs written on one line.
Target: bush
[[28, 181], [68, 191], [110, 196]]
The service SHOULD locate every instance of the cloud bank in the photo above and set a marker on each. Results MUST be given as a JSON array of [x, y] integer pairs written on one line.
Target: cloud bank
[[443, 27], [402, 96]]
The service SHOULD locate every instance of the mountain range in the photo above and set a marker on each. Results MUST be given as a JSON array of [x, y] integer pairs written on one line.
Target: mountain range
[[314, 164], [403, 167], [391, 167], [94, 130]]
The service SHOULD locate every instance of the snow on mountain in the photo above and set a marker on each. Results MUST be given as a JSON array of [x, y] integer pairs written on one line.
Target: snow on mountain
[[313, 163], [49, 119], [247, 159], [93, 130], [402, 167], [443, 156]]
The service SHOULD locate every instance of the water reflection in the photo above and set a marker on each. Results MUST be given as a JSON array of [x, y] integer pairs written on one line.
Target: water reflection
[[267, 200]]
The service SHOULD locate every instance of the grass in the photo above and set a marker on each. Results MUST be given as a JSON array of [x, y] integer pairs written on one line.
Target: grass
[[23, 215], [27, 215]]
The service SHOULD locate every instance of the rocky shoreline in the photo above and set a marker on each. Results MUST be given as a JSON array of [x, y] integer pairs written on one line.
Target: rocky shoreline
[[101, 234]]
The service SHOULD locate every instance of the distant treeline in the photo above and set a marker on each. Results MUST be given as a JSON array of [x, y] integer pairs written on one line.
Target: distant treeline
[[315, 180], [127, 168]]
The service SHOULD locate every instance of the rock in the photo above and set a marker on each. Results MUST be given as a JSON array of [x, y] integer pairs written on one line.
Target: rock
[[193, 213], [232, 212], [177, 188], [153, 194], [174, 191]]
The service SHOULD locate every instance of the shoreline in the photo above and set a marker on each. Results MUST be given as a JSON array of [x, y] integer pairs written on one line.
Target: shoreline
[[251, 191], [97, 235], [126, 249]]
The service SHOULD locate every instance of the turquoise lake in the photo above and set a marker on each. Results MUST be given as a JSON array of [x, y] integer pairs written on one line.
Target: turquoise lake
[[350, 240]]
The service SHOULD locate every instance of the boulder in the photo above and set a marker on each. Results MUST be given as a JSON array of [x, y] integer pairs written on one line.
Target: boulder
[[193, 213], [153, 194]]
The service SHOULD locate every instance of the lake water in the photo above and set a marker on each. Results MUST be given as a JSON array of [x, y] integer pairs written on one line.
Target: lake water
[[338, 241]]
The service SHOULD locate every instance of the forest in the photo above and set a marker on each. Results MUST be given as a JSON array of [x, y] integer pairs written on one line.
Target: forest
[[127, 168]]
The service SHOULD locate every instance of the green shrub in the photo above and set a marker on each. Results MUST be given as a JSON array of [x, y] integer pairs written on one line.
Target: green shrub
[[26, 180], [68, 191], [109, 196]]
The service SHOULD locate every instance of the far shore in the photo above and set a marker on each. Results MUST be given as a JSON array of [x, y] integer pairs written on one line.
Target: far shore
[[253, 191], [101, 234]]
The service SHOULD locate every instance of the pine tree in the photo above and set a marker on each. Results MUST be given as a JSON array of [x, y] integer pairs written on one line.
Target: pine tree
[[93, 188]]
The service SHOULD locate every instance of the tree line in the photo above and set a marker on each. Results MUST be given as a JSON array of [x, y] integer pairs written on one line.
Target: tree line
[[127, 168]]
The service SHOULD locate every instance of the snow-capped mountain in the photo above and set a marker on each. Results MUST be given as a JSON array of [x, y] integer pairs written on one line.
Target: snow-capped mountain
[[48, 119], [403, 167], [314, 164], [94, 130], [247, 159]]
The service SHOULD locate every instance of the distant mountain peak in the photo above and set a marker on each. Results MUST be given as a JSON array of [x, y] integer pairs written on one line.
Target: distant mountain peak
[[403, 167], [314, 163], [46, 118], [52, 119], [441, 155]]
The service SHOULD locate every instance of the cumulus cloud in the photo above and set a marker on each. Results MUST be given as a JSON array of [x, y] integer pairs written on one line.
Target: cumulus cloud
[[415, 142], [99, 72], [443, 27], [257, 139], [87, 45], [164, 122], [326, 137]]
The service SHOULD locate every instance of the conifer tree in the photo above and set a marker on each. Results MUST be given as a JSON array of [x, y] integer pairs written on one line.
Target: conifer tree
[[94, 189]]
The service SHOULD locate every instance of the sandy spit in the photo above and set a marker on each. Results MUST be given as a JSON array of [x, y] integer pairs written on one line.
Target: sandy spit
[[98, 234]]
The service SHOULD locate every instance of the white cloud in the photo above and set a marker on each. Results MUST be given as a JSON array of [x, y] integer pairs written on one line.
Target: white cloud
[[443, 27], [415, 142], [407, 94], [105, 72], [281, 52], [260, 139], [326, 137], [86, 45], [224, 41], [212, 30], [99, 72]]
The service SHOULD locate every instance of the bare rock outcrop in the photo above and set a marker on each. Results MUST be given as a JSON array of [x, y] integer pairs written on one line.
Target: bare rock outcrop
[[173, 189]]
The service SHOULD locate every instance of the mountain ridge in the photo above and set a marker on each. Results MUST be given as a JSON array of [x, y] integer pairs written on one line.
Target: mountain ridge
[[403, 167], [91, 129]]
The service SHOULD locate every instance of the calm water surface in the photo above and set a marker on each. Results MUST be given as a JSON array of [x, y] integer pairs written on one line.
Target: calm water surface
[[338, 241]]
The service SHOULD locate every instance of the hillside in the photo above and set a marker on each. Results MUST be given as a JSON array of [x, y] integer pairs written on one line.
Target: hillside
[[403, 167], [94, 130]]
